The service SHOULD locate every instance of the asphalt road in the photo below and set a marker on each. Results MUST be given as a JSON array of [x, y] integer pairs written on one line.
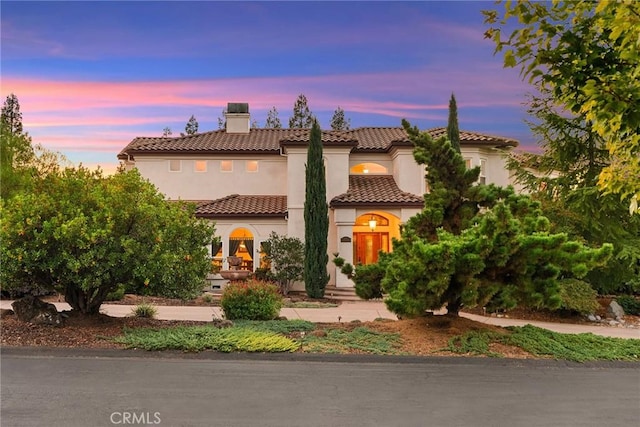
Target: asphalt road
[[105, 388]]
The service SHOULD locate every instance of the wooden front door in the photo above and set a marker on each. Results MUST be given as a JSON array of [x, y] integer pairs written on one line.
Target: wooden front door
[[367, 247]]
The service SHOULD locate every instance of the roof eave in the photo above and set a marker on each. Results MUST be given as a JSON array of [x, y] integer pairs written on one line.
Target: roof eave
[[235, 216], [419, 205]]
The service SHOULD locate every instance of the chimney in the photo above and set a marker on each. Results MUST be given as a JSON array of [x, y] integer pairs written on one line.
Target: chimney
[[237, 117]]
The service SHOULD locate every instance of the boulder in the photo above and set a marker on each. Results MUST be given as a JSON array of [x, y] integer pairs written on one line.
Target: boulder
[[34, 310], [614, 310], [4, 312]]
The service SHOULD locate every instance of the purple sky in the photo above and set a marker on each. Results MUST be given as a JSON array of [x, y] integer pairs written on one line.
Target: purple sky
[[90, 76]]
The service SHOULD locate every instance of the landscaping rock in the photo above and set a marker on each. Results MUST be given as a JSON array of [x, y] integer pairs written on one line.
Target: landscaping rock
[[592, 318], [4, 312], [33, 310], [614, 310]]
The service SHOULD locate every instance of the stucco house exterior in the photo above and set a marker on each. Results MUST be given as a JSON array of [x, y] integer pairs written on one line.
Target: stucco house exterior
[[252, 182]]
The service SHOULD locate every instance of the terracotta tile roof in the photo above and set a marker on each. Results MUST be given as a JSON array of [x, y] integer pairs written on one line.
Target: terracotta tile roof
[[476, 138], [378, 138], [364, 139], [375, 190], [237, 205], [219, 141], [329, 137]]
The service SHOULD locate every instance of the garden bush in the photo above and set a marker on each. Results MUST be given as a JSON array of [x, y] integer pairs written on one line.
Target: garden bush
[[251, 300], [578, 296], [367, 280], [629, 304]]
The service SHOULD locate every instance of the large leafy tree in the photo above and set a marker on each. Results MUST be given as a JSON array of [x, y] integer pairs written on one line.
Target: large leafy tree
[[21, 162], [316, 218], [286, 256], [476, 244], [302, 116], [83, 235], [586, 55], [338, 121], [273, 121]]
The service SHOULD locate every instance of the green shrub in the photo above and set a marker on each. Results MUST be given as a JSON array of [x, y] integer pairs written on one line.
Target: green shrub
[[367, 279], [629, 304], [578, 296], [208, 298], [251, 300], [117, 294], [145, 310]]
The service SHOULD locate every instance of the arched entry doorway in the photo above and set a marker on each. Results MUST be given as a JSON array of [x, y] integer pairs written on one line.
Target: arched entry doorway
[[370, 236]]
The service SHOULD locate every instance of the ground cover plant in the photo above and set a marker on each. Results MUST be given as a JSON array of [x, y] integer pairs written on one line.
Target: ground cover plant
[[545, 343], [423, 336], [358, 340], [198, 338]]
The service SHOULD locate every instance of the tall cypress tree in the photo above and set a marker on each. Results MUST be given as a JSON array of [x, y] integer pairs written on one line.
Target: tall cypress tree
[[316, 218], [453, 132]]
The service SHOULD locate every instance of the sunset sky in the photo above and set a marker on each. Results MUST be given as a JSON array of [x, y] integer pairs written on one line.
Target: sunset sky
[[91, 76]]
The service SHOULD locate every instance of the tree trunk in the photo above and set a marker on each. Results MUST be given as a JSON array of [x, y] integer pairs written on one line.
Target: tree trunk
[[80, 301], [454, 306]]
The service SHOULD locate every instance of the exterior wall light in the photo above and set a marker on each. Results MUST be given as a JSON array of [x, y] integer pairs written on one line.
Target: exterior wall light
[[372, 223]]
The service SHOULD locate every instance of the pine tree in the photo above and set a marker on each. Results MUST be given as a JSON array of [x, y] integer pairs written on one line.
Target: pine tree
[[166, 132], [273, 121], [191, 127], [455, 254], [302, 117], [222, 121], [475, 245], [11, 115], [338, 121], [17, 154], [316, 218], [453, 132], [566, 183]]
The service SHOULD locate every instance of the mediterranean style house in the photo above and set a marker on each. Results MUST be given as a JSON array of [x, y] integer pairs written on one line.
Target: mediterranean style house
[[251, 182]]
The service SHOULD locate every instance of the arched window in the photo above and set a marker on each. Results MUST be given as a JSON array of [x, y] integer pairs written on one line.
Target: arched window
[[368, 168]]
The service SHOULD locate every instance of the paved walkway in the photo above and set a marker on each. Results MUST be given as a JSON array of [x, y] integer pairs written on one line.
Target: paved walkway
[[352, 310]]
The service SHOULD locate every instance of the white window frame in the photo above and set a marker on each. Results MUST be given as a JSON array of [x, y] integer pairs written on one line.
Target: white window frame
[[223, 162], [202, 162], [171, 164], [482, 179], [250, 162]]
